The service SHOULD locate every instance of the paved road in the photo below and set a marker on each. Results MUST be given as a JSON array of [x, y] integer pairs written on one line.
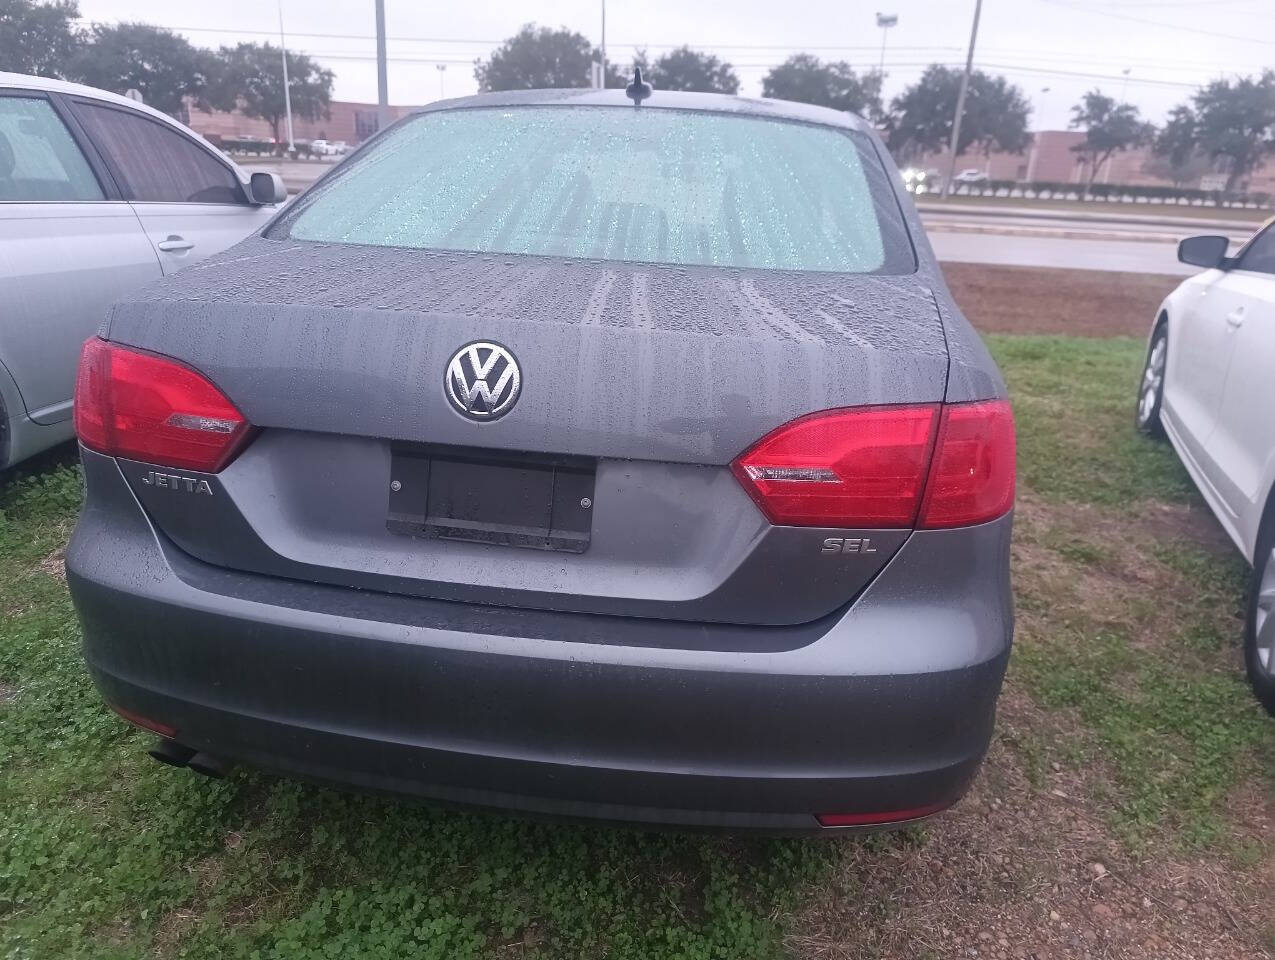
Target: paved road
[[1085, 242], [1097, 229], [1133, 256]]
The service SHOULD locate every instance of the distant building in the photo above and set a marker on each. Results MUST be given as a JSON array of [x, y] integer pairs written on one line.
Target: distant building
[[1051, 158], [348, 121]]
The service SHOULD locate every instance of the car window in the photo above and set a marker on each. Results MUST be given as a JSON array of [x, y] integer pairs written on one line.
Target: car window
[[1259, 255], [156, 163], [650, 185], [39, 161]]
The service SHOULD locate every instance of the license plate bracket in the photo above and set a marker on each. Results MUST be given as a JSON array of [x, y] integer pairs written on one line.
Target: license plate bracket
[[530, 500]]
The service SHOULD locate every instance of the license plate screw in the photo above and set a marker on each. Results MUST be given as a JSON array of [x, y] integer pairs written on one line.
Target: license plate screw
[[395, 486], [586, 502]]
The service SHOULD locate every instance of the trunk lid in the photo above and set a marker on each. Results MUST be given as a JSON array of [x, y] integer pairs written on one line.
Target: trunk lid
[[652, 377]]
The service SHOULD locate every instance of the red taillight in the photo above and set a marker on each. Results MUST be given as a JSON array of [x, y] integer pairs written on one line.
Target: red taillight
[[146, 723], [860, 467], [881, 817], [972, 479], [872, 467], [145, 407]]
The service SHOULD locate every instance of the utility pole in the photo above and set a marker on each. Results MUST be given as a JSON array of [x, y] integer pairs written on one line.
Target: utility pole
[[960, 100], [885, 21], [603, 47], [287, 93], [382, 79], [442, 72]]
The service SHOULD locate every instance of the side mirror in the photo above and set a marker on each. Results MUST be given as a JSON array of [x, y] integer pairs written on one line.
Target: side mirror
[[1206, 251], [267, 188]]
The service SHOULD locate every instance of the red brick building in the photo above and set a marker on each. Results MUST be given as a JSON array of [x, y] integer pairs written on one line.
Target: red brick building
[[1051, 158], [351, 122]]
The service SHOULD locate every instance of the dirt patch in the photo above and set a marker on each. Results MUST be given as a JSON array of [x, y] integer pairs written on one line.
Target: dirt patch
[[1029, 865], [178, 924], [55, 564], [1166, 522], [1022, 870], [1092, 303], [1115, 569]]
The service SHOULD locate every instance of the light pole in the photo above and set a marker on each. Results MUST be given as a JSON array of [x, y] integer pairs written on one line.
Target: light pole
[[442, 71], [602, 49], [382, 79], [960, 100], [1124, 86], [885, 21], [287, 93]]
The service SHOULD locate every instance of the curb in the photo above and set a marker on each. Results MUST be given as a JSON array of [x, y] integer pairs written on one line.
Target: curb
[[1005, 230], [1037, 213]]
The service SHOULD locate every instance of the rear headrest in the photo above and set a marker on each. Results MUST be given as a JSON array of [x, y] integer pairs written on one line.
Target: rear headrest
[[7, 160]]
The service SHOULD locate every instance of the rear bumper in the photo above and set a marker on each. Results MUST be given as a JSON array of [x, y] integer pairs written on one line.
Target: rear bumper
[[890, 709]]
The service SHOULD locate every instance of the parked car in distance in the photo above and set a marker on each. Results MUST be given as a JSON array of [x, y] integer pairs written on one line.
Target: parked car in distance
[[328, 148], [970, 175], [1208, 384], [557, 455], [921, 181], [99, 195]]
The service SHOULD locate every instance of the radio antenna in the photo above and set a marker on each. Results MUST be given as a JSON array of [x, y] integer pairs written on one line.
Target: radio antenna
[[639, 89]]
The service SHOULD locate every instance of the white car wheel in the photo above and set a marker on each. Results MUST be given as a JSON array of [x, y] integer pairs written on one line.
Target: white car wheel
[[1151, 390], [1263, 622], [1259, 628]]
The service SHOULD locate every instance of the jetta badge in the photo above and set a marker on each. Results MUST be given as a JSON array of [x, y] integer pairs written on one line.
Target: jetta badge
[[482, 381]]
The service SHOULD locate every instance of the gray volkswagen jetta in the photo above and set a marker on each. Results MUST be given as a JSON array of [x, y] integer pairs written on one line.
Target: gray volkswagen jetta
[[563, 455]]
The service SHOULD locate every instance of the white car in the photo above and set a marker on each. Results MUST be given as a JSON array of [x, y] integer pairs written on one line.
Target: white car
[[970, 176], [328, 148], [918, 181], [1209, 385], [99, 195]]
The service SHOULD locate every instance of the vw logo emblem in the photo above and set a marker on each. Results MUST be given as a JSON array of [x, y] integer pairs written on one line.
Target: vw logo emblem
[[482, 381]]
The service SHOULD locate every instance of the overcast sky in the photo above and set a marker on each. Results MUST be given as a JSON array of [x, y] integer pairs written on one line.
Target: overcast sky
[[1054, 50]]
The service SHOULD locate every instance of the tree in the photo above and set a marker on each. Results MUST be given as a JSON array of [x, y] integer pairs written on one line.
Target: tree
[[996, 114], [1110, 128], [1234, 119], [807, 79], [687, 69], [252, 79], [1177, 138], [38, 38], [538, 57], [1177, 170], [161, 65]]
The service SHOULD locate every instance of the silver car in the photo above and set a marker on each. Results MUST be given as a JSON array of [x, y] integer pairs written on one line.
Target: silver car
[[99, 195]]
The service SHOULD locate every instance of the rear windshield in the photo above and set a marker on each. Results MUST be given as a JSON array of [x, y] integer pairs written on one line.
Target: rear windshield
[[645, 185]]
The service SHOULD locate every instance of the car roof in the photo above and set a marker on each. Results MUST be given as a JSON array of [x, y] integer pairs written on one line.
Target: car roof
[[762, 107], [76, 89], [21, 81]]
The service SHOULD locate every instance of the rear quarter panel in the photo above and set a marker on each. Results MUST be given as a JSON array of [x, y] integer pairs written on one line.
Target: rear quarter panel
[[972, 373]]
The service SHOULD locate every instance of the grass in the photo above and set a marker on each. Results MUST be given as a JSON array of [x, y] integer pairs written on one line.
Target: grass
[[1074, 414], [104, 854], [1139, 643]]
